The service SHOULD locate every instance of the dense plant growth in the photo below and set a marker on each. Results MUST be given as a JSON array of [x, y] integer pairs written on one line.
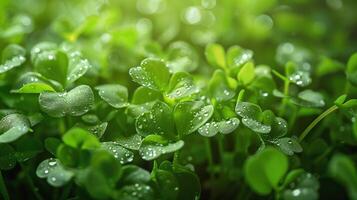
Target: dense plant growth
[[159, 99]]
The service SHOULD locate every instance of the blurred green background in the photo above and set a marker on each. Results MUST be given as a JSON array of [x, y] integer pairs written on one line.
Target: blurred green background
[[118, 34]]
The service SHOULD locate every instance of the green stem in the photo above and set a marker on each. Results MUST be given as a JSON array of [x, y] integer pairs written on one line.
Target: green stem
[[285, 98], [322, 156], [33, 188], [282, 77], [221, 148], [347, 87], [316, 121], [176, 158], [209, 156], [3, 189]]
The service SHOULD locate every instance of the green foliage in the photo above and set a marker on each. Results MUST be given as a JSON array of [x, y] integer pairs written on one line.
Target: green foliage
[[178, 100]]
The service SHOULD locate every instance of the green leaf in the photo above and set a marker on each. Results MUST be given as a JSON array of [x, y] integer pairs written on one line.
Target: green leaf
[[247, 110], [77, 66], [35, 88], [79, 138], [74, 103], [132, 142], [264, 170], [237, 56], [51, 145], [143, 95], [103, 172], [343, 170], [152, 73], [158, 120], [305, 187], [133, 174], [168, 184], [215, 55], [12, 127], [191, 115], [181, 85], [27, 147], [29, 79], [340, 100], [189, 186], [250, 114], [246, 74], [55, 173], [123, 155], [351, 70], [298, 76], [218, 87], [181, 57], [53, 65], [155, 145], [40, 48], [256, 125], [12, 56], [289, 145], [309, 98], [212, 128], [136, 191], [114, 94]]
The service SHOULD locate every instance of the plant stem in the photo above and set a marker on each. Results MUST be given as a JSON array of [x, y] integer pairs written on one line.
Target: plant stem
[[3, 189], [316, 121], [176, 158], [33, 188], [209, 156], [221, 148]]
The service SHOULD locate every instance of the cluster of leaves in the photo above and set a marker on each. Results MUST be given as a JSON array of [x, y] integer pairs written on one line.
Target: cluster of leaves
[[96, 106]]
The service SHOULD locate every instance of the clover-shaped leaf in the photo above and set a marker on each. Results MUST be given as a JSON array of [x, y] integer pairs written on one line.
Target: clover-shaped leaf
[[74, 103], [122, 154], [184, 182], [143, 95], [53, 65], [289, 145], [309, 98], [191, 115], [12, 127], [181, 85], [77, 66], [132, 142], [247, 73], [80, 138], [12, 56], [237, 56], [32, 82], [250, 114], [305, 186], [298, 75], [212, 128], [343, 169], [181, 57], [158, 120], [247, 110], [55, 173], [155, 145], [218, 87], [114, 94], [152, 73], [215, 55], [264, 170]]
